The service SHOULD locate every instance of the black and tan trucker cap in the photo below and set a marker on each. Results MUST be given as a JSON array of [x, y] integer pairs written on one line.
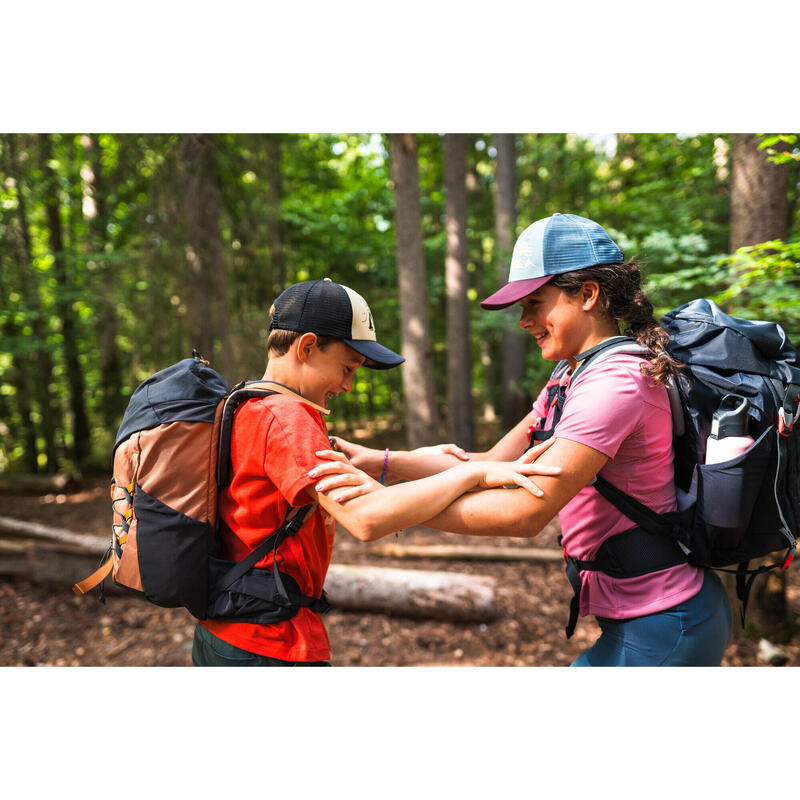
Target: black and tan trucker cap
[[330, 309]]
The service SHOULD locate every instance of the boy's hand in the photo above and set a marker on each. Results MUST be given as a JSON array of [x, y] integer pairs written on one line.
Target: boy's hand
[[341, 473], [371, 461], [496, 474], [530, 455], [443, 450]]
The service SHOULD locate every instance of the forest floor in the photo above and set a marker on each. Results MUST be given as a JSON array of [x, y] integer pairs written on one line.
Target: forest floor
[[48, 625]]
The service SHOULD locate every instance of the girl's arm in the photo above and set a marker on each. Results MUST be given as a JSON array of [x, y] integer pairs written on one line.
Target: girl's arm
[[501, 513], [373, 515]]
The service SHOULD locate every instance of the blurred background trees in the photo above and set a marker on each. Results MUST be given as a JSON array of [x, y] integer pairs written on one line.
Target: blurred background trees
[[119, 253]]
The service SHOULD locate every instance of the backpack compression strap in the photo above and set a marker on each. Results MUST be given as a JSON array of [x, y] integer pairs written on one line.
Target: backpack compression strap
[[98, 576]]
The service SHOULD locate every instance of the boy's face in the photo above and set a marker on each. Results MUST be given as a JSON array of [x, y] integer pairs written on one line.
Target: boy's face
[[329, 372]]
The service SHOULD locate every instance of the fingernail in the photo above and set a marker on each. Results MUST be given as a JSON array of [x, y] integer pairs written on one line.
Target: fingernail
[[312, 473]]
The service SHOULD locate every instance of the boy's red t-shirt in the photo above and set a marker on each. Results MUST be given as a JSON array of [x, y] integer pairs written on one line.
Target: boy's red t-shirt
[[272, 449]]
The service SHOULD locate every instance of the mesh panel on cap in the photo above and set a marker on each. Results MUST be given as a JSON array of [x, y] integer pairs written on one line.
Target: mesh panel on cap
[[320, 307]]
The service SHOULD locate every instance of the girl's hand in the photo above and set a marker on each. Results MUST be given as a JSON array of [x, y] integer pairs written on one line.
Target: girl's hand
[[443, 450], [339, 473]]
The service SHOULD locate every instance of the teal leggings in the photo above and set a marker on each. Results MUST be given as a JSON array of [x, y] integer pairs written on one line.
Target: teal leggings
[[694, 633]]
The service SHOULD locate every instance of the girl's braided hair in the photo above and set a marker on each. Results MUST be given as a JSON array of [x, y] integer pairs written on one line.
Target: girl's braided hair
[[622, 299]]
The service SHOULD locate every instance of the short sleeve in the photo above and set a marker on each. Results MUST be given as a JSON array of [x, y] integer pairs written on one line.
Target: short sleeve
[[603, 407], [295, 434]]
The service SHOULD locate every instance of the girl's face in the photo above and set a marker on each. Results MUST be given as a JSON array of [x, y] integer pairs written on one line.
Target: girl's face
[[558, 321]]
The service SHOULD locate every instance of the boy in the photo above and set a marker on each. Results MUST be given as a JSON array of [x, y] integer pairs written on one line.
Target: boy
[[320, 334]]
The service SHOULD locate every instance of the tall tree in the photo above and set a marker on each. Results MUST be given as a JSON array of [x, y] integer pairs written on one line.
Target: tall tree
[[514, 345], [459, 350], [759, 195], [69, 328], [109, 356], [209, 323], [40, 360], [274, 227], [422, 419], [759, 213]]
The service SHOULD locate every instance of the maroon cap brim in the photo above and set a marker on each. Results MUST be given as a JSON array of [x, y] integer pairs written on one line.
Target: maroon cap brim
[[512, 292]]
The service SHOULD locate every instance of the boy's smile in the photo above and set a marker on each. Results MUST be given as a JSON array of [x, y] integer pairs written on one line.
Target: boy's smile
[[329, 372]]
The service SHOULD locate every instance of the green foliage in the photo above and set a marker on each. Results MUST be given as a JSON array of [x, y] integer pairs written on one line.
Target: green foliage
[[788, 150], [122, 285]]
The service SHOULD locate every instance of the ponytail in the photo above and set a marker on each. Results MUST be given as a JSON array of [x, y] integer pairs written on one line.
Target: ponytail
[[622, 299]]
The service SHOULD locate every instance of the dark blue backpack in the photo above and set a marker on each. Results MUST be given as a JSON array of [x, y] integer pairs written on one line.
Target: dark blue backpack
[[731, 512]]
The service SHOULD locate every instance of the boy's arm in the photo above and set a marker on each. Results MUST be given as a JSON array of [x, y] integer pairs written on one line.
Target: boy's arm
[[410, 465], [378, 513]]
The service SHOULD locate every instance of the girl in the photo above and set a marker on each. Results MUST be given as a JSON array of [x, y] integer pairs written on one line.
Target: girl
[[613, 420]]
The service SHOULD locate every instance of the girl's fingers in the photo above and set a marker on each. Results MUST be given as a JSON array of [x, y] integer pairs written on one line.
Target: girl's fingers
[[332, 468], [350, 494], [333, 455], [345, 479]]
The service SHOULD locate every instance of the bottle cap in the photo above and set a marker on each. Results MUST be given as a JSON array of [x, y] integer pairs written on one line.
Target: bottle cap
[[730, 419]]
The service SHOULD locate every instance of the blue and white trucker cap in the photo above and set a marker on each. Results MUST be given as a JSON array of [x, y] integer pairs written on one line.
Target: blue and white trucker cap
[[330, 309], [552, 246]]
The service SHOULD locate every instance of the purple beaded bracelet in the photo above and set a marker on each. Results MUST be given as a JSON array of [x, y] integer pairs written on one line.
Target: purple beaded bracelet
[[385, 466]]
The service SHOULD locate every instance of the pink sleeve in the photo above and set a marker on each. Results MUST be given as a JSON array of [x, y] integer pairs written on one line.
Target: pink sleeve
[[602, 408], [540, 404]]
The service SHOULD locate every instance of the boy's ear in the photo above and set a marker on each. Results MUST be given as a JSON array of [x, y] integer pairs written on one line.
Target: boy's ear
[[305, 345]]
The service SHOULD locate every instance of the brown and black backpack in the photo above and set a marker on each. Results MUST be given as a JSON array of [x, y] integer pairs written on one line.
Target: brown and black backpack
[[171, 458]]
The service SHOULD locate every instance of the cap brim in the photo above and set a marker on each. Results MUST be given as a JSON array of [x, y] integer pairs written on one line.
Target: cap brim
[[512, 292], [378, 356]]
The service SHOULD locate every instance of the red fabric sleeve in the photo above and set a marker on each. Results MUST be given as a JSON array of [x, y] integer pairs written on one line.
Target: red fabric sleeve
[[296, 433]]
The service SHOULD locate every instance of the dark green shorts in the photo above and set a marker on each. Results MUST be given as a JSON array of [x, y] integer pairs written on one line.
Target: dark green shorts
[[211, 651]]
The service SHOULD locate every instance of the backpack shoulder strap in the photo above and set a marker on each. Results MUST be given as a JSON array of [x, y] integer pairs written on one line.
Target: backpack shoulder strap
[[609, 347], [273, 387], [241, 393]]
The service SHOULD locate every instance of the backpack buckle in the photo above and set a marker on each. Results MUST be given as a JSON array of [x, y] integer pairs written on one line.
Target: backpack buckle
[[785, 422]]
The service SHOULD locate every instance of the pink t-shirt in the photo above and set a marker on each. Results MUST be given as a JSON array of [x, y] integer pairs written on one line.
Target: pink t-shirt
[[613, 408]]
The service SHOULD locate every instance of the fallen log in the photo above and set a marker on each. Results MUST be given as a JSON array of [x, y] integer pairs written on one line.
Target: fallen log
[[467, 552], [60, 557], [411, 593], [35, 530]]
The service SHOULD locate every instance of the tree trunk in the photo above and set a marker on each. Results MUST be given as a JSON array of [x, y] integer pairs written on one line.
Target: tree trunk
[[209, 326], [40, 360], [422, 419], [514, 344], [75, 380], [277, 249], [109, 357], [459, 350], [759, 213], [759, 194]]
